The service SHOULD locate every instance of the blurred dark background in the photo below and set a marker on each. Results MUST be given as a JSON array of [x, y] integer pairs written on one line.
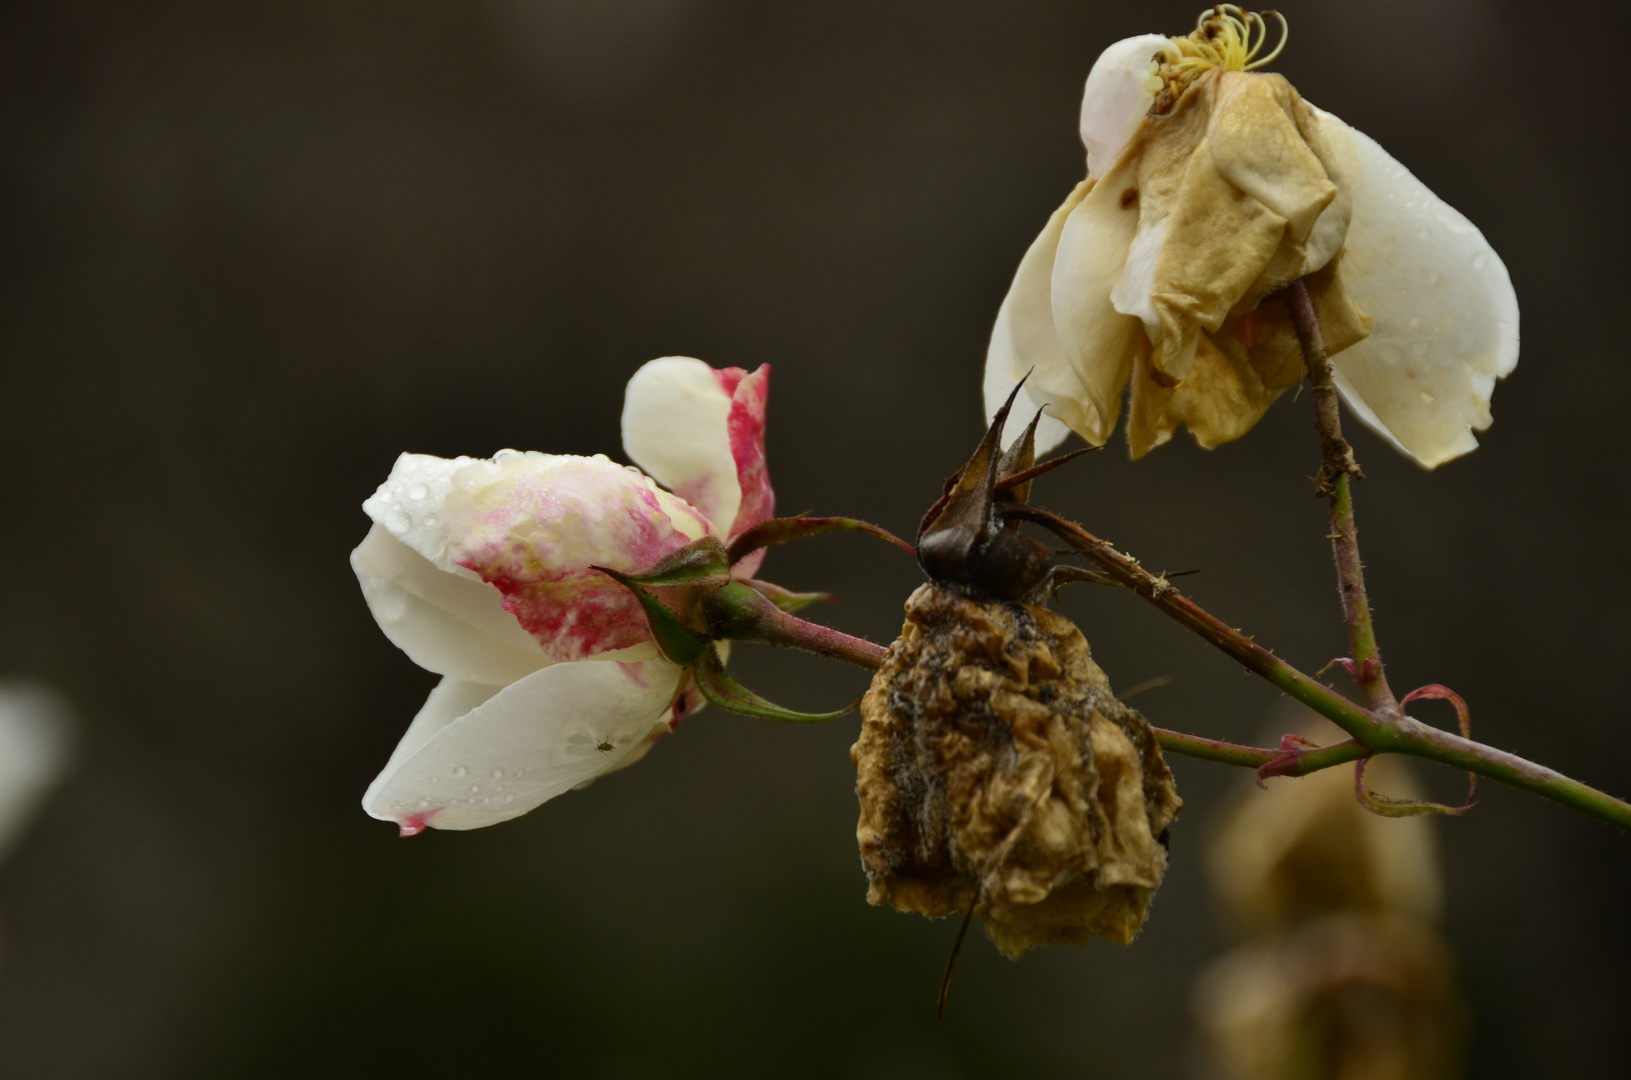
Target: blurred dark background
[[252, 251]]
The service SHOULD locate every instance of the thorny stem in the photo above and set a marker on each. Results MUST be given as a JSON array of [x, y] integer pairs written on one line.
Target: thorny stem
[[1255, 757], [1373, 732], [1337, 469]]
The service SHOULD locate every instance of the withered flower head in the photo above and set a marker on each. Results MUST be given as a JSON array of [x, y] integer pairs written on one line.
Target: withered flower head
[[1211, 186], [997, 772]]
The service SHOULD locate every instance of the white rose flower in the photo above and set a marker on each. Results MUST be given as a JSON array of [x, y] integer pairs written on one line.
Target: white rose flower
[[480, 570]]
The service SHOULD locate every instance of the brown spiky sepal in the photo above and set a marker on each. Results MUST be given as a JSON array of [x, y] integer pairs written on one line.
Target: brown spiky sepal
[[967, 541], [996, 769]]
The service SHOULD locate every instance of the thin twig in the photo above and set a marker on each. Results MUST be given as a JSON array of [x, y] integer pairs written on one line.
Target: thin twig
[[1337, 469]]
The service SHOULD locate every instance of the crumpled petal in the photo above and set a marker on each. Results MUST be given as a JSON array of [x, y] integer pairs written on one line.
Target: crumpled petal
[[453, 624], [1446, 316], [477, 755], [532, 525], [700, 432]]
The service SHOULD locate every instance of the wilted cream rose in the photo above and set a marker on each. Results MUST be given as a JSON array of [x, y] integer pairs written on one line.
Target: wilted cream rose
[[1211, 187]]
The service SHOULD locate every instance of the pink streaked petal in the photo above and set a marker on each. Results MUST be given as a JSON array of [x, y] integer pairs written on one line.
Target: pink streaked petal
[[535, 524], [746, 425], [700, 431]]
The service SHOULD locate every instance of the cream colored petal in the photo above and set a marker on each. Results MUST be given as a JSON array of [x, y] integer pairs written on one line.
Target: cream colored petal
[[1024, 341], [676, 415], [522, 746], [450, 624], [1446, 317], [1256, 145], [1120, 90], [1098, 340]]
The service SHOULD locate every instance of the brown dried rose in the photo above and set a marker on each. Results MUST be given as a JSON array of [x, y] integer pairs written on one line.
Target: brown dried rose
[[997, 771]]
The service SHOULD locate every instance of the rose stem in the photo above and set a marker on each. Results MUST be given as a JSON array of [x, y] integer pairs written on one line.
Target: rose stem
[[1337, 469]]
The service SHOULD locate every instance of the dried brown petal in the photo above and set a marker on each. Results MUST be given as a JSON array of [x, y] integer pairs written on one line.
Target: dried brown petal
[[996, 768]]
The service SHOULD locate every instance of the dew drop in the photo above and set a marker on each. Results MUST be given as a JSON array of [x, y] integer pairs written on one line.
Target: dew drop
[[397, 522], [418, 491], [474, 788], [507, 799], [1480, 260], [459, 770], [498, 774]]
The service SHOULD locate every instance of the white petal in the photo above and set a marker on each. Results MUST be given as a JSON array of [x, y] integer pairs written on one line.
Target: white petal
[[675, 426], [999, 383], [34, 744], [452, 625], [1025, 345], [522, 746], [1120, 90], [1446, 318], [450, 700], [1133, 293], [410, 505], [1098, 339]]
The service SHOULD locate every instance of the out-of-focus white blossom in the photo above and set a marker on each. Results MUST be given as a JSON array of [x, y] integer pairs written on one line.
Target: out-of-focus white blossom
[[35, 737]]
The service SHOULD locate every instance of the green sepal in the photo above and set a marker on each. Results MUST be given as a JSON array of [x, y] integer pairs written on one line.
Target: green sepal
[[701, 562], [728, 694], [680, 643], [781, 530], [786, 599]]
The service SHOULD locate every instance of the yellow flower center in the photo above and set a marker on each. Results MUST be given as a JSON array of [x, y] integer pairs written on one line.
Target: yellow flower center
[[1225, 37]]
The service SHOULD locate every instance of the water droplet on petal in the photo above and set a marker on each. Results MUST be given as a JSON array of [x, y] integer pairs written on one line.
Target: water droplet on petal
[[459, 770], [397, 522], [498, 774], [418, 491]]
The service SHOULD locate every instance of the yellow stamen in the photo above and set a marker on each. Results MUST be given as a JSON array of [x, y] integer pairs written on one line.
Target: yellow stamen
[[1225, 37]]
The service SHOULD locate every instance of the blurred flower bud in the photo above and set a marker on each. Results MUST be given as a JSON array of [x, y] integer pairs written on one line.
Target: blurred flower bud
[[1356, 996], [1344, 976], [1306, 847]]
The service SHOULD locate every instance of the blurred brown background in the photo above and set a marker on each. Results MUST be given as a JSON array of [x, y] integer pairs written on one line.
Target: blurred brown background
[[253, 251]]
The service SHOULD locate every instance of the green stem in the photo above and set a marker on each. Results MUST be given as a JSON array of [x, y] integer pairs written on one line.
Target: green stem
[[1373, 731], [1255, 757]]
